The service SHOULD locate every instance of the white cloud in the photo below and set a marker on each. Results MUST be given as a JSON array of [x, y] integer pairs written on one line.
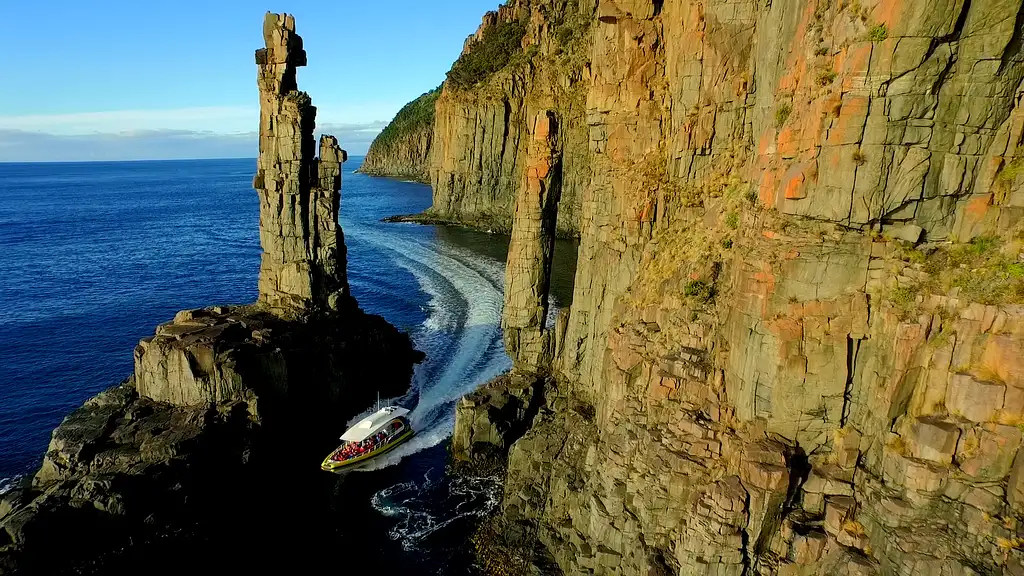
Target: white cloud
[[150, 144], [223, 119], [219, 119]]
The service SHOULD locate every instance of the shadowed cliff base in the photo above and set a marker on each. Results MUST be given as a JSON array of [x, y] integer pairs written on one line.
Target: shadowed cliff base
[[497, 225], [126, 470]]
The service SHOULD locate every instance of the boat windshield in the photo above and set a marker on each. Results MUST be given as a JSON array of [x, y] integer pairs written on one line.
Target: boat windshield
[[383, 437]]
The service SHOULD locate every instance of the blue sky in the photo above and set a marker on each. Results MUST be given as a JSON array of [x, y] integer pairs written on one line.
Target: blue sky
[[125, 80]]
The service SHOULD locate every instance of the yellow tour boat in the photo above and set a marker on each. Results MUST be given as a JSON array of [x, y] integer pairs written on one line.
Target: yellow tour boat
[[374, 435]]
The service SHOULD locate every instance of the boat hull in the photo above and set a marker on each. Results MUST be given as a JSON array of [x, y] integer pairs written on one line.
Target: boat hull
[[335, 465]]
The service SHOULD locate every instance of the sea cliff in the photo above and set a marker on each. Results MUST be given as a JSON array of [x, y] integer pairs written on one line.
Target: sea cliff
[[524, 56], [402, 149], [796, 336], [227, 404]]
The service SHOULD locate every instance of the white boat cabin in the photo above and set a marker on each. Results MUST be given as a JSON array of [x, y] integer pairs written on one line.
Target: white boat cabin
[[377, 422]]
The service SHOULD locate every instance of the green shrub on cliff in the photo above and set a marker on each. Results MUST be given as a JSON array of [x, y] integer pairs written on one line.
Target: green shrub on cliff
[[416, 115], [492, 53]]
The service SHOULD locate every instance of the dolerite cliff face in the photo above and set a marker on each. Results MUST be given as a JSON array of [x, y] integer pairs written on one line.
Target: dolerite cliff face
[[226, 404], [527, 57], [796, 343], [480, 133], [402, 149]]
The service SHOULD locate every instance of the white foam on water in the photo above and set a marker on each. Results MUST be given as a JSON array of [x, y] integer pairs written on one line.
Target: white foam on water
[[6, 484], [461, 335], [423, 508]]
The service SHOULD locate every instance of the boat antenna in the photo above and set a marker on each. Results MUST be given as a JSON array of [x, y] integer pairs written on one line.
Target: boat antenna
[[378, 400]]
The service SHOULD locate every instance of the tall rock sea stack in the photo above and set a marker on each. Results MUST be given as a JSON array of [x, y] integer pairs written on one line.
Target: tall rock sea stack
[[796, 340], [528, 270], [303, 262], [229, 403]]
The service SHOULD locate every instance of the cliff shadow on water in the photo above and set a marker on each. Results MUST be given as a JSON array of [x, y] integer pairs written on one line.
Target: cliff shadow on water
[[495, 246]]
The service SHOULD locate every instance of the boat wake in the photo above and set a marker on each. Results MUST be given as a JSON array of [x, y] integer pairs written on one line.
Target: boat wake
[[421, 508], [6, 484], [461, 335]]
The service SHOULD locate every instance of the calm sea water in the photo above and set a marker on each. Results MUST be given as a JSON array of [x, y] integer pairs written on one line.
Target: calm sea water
[[96, 254]]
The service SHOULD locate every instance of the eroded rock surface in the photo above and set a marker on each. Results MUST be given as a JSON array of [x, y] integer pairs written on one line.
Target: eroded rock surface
[[528, 269], [490, 419]]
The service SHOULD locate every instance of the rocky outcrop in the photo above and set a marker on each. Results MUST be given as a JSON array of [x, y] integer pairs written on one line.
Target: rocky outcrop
[[798, 298], [226, 404], [402, 149], [303, 262], [491, 418]]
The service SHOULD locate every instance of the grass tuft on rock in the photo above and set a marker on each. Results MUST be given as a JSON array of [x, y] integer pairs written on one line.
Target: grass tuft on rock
[[782, 114], [985, 270], [878, 33], [825, 78], [1010, 172]]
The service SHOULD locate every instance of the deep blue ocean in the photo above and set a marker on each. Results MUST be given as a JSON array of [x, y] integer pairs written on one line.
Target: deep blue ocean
[[95, 255]]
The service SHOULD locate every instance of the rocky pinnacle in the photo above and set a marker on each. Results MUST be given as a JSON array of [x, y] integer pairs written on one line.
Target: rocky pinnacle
[[303, 264], [528, 270]]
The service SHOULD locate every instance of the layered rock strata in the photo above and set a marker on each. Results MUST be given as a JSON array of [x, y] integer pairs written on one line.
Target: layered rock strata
[[490, 419], [226, 404], [798, 302], [303, 262]]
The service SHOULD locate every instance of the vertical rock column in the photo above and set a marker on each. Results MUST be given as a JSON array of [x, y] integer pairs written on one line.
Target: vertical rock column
[[303, 263], [528, 270], [327, 242]]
